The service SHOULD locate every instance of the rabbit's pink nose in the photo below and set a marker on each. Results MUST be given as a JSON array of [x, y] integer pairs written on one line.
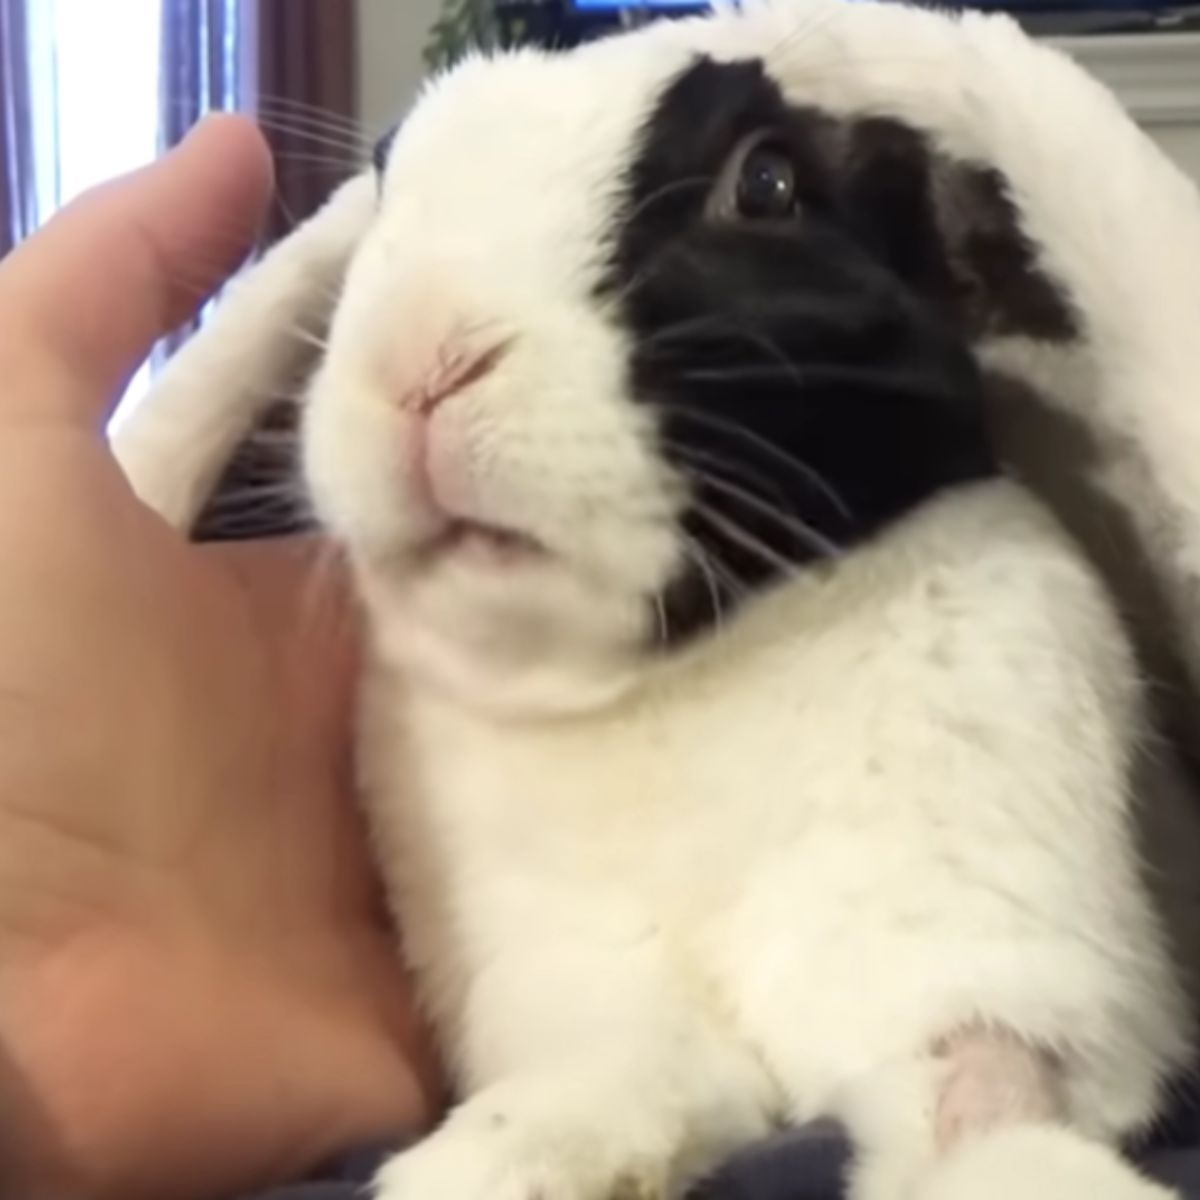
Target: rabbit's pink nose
[[456, 368]]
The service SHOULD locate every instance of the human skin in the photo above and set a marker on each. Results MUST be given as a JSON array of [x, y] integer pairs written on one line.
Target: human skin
[[198, 991]]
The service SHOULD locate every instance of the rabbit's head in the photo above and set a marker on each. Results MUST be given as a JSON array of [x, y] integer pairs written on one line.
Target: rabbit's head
[[641, 329]]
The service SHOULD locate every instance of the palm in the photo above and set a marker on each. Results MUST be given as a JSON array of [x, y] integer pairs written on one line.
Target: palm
[[197, 990], [209, 914]]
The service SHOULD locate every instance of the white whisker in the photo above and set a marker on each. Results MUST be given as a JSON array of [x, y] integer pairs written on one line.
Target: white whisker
[[790, 523], [784, 457], [735, 533], [703, 561]]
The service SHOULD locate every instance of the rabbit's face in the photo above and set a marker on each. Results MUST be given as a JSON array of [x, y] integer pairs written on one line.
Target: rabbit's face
[[632, 337]]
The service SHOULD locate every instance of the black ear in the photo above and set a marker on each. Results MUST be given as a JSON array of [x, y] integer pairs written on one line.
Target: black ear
[[1006, 289], [950, 230], [383, 149]]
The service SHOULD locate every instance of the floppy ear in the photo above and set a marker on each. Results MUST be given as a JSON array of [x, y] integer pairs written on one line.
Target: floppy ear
[[947, 227], [1094, 407], [175, 444]]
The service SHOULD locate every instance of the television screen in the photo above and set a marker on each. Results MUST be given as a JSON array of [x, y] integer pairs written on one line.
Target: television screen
[[616, 5], [582, 19], [611, 5], [1065, 6]]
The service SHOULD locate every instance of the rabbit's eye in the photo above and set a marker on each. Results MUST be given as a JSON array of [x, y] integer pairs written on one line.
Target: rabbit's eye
[[760, 182], [767, 186]]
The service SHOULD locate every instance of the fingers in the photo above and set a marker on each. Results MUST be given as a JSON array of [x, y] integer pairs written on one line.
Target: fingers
[[83, 301]]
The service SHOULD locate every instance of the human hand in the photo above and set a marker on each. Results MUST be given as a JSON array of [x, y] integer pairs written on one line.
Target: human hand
[[198, 993]]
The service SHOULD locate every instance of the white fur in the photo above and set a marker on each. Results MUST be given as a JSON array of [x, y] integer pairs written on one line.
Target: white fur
[[825, 839], [175, 443], [1069, 1168], [657, 907]]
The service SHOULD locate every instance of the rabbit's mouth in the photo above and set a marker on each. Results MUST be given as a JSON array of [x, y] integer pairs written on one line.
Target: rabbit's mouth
[[487, 545]]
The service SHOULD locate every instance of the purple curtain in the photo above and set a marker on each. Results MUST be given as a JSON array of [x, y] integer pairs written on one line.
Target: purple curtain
[[18, 206], [307, 98], [291, 62]]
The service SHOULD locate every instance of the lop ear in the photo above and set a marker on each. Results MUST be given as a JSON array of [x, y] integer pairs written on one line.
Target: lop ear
[[948, 228], [1103, 426], [177, 441]]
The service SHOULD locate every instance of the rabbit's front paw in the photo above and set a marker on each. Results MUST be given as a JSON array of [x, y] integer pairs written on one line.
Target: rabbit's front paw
[[492, 1165], [465, 1172], [1042, 1162]]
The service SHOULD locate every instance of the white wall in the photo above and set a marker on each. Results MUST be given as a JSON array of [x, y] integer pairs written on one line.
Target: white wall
[[393, 37], [1158, 78], [1182, 143]]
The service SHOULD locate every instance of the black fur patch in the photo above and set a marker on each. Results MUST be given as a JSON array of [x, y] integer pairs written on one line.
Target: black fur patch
[[383, 149], [983, 233], [813, 377], [260, 494]]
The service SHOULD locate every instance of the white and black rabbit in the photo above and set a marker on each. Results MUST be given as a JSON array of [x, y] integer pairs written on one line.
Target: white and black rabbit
[[742, 747]]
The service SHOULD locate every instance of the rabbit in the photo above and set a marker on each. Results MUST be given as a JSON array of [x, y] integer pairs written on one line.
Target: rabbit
[[745, 740]]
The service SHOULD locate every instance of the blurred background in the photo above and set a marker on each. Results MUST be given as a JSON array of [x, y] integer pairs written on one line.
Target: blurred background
[[91, 88]]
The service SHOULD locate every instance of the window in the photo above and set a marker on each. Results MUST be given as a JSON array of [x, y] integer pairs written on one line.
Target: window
[[95, 83], [95, 87], [90, 89], [109, 90]]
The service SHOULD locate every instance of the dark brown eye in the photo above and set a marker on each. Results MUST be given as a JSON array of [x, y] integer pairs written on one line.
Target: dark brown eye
[[766, 188]]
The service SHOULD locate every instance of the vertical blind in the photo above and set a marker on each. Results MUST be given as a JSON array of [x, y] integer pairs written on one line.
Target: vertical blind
[[18, 188]]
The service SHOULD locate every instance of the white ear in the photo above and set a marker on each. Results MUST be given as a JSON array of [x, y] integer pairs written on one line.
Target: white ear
[[175, 443]]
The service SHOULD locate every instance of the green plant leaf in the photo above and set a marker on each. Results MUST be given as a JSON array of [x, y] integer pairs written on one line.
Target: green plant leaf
[[465, 25]]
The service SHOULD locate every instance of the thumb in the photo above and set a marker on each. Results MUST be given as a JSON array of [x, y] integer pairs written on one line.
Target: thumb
[[83, 301]]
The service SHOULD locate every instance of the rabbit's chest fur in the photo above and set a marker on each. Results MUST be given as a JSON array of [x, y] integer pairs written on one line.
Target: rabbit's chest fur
[[890, 799]]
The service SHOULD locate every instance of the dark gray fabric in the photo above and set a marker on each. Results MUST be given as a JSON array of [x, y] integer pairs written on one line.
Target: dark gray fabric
[[807, 1165]]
